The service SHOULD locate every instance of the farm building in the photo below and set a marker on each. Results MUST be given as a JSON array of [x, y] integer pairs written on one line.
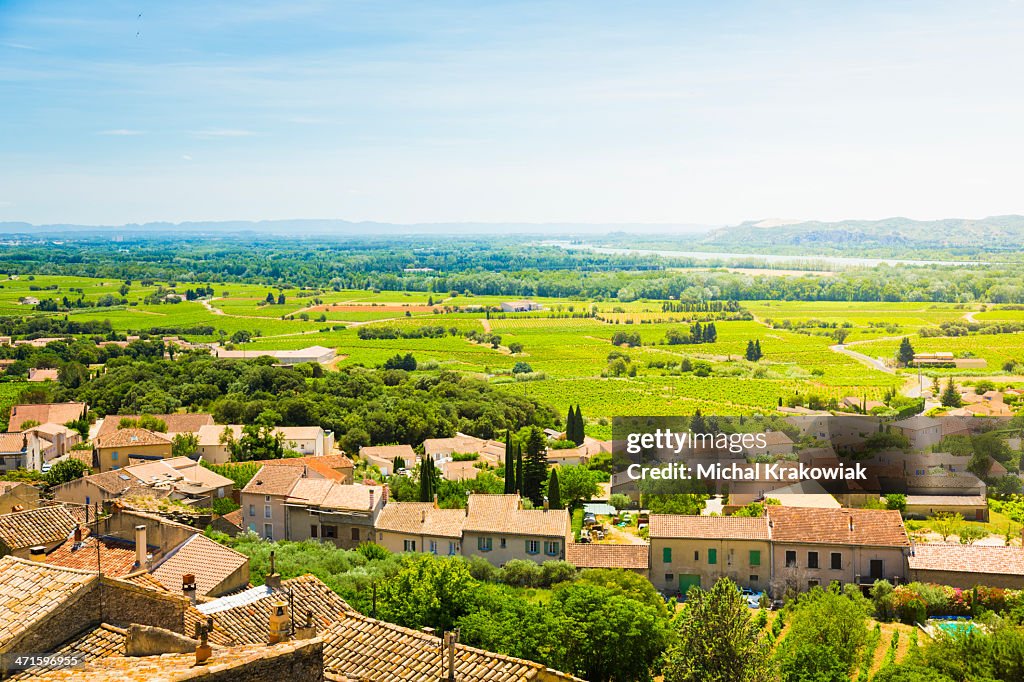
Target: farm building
[[524, 306]]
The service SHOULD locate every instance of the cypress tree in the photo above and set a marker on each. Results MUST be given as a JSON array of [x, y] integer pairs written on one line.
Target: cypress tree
[[510, 465], [950, 396], [535, 467], [580, 434], [757, 350], [519, 469], [554, 495], [697, 423], [570, 424], [905, 355], [427, 479], [750, 351]]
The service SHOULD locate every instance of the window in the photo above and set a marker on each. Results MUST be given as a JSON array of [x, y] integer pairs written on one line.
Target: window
[[329, 532], [86, 500], [755, 557], [669, 578], [811, 584], [453, 548], [268, 531], [790, 558], [113, 456], [837, 561], [355, 534], [252, 510], [408, 545], [502, 544], [433, 546], [696, 555], [252, 527], [752, 578], [483, 544], [812, 560], [551, 548], [313, 530], [533, 547], [666, 555], [266, 511], [712, 555]]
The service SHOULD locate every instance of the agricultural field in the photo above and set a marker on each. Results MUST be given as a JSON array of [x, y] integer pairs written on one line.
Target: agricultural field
[[566, 349]]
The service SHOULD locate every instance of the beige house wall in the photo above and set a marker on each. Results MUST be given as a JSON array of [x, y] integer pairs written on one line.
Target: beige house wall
[[690, 557], [350, 530], [254, 516], [394, 541], [855, 565], [106, 455], [506, 546]]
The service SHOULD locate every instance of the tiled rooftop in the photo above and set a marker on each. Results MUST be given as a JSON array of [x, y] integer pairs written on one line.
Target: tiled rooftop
[[46, 413], [361, 648], [968, 559], [244, 616], [866, 527], [271, 480], [583, 555], [174, 667], [725, 527], [124, 438], [501, 514], [31, 591], [182, 422], [43, 526], [421, 518], [326, 465], [116, 556], [100, 642], [209, 561]]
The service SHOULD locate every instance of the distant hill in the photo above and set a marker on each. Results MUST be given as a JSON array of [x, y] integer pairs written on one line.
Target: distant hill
[[996, 233], [331, 227]]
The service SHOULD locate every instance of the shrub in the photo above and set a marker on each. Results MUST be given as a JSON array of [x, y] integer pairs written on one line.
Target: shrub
[[521, 573]]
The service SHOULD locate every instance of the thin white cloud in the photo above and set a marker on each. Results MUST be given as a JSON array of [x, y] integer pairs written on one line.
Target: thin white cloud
[[122, 132], [221, 132], [186, 157]]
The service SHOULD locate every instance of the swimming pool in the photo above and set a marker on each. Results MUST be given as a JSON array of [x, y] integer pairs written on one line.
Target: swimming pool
[[955, 627]]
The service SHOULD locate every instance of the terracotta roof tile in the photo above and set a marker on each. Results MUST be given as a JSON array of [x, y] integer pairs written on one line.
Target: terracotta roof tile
[[123, 438], [325, 465], [30, 591], [867, 527], [361, 648], [43, 526], [180, 422], [271, 480], [632, 557], [389, 452], [116, 555], [244, 616], [46, 413], [967, 559], [501, 514], [421, 518], [100, 642], [209, 561], [725, 527], [175, 667], [13, 442]]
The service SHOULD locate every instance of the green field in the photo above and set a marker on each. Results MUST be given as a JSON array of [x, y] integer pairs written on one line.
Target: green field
[[568, 354]]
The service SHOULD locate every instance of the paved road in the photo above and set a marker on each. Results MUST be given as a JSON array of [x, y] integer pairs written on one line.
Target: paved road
[[863, 359]]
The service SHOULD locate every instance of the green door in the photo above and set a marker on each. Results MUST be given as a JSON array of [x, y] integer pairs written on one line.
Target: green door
[[686, 581]]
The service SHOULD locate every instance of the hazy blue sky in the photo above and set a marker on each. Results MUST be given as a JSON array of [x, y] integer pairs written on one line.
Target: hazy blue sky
[[704, 112]]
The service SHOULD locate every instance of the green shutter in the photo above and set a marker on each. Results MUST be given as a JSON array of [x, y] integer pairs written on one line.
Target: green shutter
[[666, 555], [712, 555], [755, 557]]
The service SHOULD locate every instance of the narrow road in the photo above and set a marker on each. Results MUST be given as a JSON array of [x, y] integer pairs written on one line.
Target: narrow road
[[874, 363]]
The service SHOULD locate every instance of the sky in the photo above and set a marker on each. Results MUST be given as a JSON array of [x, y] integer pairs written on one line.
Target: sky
[[599, 112]]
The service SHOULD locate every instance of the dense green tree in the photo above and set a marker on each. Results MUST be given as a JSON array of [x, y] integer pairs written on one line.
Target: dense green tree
[[576, 484], [428, 591], [554, 494], [827, 632], [66, 470], [184, 444], [905, 354], [535, 466], [718, 641], [951, 396]]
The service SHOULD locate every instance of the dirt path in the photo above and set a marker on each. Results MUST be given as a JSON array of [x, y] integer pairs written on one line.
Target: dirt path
[[874, 363], [486, 324]]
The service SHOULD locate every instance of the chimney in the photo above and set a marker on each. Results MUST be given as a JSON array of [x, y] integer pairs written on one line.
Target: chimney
[[372, 491], [203, 650], [435, 500], [280, 623], [78, 535], [37, 553], [423, 516], [308, 629], [140, 546], [450, 638], [188, 587], [273, 579], [547, 505]]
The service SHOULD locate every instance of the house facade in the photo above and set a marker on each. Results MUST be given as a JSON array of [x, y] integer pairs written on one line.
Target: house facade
[[420, 527], [687, 551], [498, 529], [116, 450]]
